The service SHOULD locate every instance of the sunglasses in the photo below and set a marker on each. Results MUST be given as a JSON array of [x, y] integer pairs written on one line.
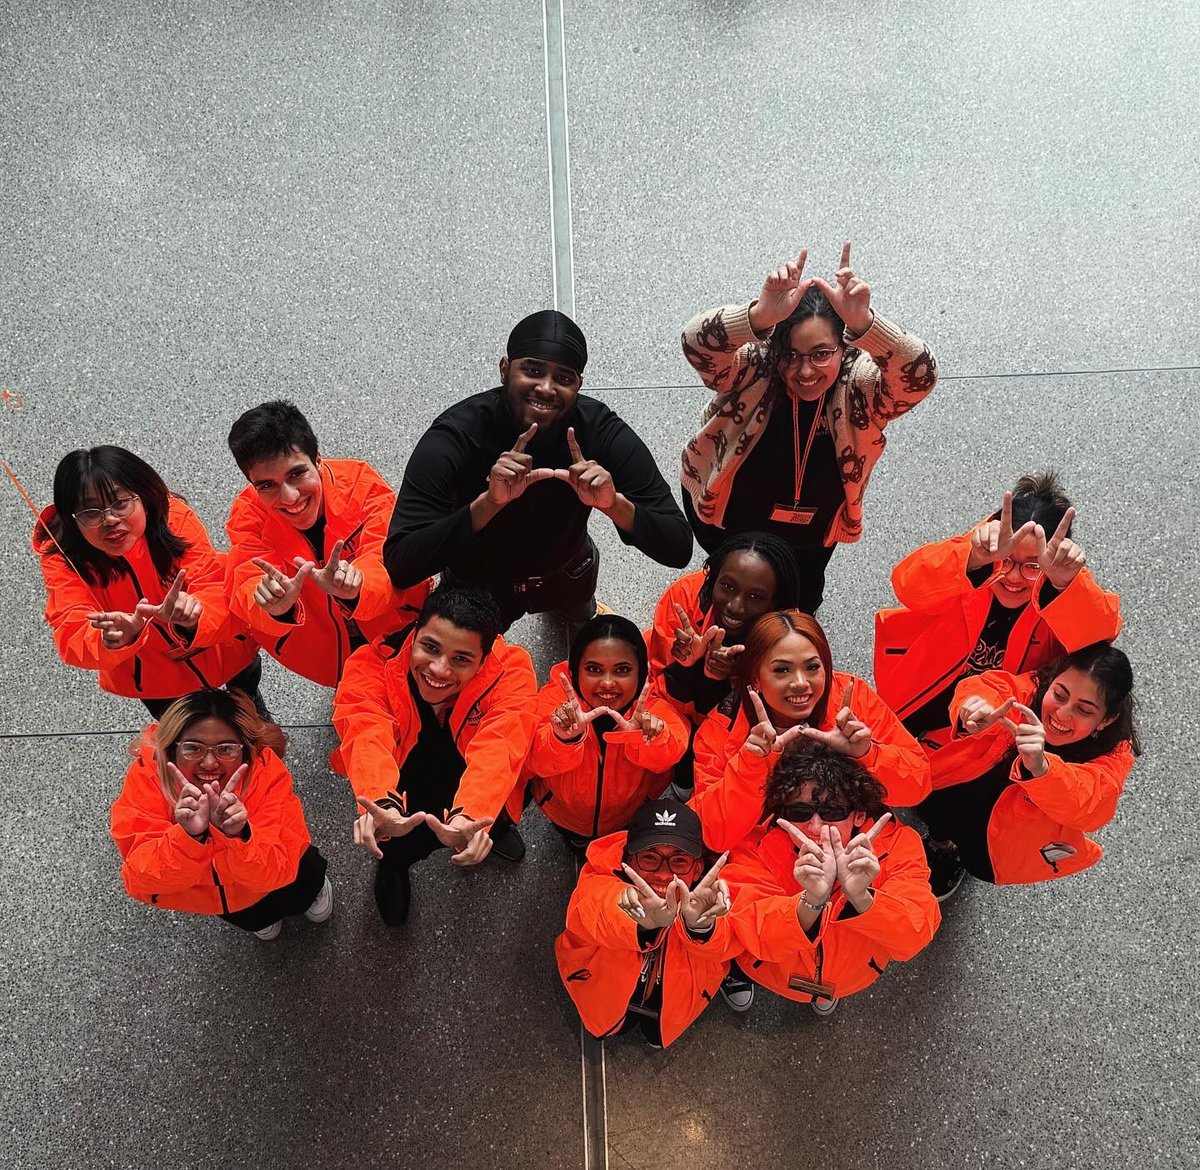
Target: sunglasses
[[650, 861], [803, 811]]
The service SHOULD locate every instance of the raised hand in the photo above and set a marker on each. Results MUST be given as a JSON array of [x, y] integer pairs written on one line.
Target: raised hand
[[469, 839], [118, 630], [592, 483], [815, 868], [781, 293], [277, 592], [763, 739], [849, 736], [857, 865], [227, 814], [719, 659], [639, 718], [645, 907], [850, 296], [708, 901], [1060, 557], [1030, 738], [513, 472], [993, 540], [378, 824], [338, 578], [976, 714], [689, 646], [191, 805], [568, 719], [176, 608]]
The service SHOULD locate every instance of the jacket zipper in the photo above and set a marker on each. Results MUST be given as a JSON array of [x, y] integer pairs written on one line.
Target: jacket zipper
[[932, 689], [220, 889], [603, 763]]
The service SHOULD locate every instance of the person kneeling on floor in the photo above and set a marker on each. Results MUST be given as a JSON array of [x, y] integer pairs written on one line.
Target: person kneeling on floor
[[831, 888], [208, 822], [647, 939], [435, 723]]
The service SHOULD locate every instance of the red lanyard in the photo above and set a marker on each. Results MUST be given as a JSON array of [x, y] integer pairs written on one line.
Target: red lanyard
[[801, 463]]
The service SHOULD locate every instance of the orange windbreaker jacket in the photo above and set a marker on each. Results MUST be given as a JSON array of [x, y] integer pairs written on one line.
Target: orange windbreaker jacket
[[1036, 830], [576, 791], [160, 664], [920, 648], [730, 781], [164, 866], [850, 951], [358, 508], [492, 723], [600, 957]]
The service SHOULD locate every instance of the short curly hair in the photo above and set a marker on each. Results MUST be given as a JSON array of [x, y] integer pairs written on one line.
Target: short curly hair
[[834, 777]]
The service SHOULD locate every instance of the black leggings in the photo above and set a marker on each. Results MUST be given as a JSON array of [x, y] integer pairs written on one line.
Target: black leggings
[[245, 680], [294, 898]]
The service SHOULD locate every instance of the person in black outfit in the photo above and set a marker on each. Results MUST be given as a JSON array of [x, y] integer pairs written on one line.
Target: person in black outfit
[[499, 490]]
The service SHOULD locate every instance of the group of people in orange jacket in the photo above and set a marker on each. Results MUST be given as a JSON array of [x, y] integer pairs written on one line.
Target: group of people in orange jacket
[[746, 814]]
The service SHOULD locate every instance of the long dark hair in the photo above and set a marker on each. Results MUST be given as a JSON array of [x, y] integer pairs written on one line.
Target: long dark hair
[[814, 303], [1109, 668], [102, 471], [610, 625], [771, 549]]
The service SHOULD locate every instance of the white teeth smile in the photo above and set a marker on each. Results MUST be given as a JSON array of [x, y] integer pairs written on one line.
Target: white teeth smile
[[1058, 727], [433, 684], [296, 508]]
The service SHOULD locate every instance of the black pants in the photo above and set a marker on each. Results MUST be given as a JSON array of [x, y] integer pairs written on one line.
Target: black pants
[[811, 559], [402, 852], [294, 898], [962, 813], [568, 592], [245, 680]]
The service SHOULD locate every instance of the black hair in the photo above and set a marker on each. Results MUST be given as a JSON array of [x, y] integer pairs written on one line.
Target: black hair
[[610, 625], [775, 551], [1112, 673], [269, 430], [469, 607], [834, 777], [102, 472], [814, 303], [1040, 498]]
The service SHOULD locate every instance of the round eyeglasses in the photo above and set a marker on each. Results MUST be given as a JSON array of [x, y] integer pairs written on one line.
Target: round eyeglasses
[[118, 510], [1029, 569], [651, 861], [190, 750], [822, 359]]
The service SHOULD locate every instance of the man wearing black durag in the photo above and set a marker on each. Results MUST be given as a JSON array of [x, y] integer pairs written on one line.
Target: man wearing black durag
[[498, 491]]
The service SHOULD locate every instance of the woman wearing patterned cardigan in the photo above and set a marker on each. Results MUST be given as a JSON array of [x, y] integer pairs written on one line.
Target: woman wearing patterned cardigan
[[805, 379]]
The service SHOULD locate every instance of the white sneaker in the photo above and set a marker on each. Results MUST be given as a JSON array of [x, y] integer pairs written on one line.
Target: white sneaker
[[737, 991], [322, 906], [824, 1007], [270, 932]]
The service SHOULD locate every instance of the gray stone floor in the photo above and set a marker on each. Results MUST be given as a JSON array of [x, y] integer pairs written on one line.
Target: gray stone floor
[[207, 205]]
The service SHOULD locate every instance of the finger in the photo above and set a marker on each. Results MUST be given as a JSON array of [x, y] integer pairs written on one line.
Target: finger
[[302, 576], [335, 557], [1008, 726], [782, 740], [831, 293], [231, 784], [685, 625], [168, 602], [797, 837], [368, 836], [639, 883], [576, 453], [710, 878], [1003, 709], [370, 806], [674, 896], [759, 707], [714, 638], [1031, 718], [523, 439], [1040, 533], [1005, 522], [639, 708], [847, 695], [177, 776], [1064, 525], [846, 256], [540, 473], [877, 827]]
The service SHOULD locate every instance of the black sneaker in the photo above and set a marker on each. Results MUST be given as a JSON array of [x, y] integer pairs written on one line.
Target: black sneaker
[[393, 893], [737, 991], [946, 870], [507, 843]]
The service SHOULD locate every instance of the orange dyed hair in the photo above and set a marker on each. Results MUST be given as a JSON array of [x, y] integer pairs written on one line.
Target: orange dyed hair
[[767, 633]]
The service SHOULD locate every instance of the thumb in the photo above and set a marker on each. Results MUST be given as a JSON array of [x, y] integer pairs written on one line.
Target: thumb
[[305, 572]]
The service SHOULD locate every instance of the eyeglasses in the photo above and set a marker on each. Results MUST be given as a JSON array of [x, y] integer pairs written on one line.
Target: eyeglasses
[[804, 811], [94, 517], [650, 861], [190, 750], [1029, 569], [820, 358]]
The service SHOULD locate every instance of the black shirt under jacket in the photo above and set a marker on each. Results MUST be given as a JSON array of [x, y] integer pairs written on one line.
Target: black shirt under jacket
[[543, 529]]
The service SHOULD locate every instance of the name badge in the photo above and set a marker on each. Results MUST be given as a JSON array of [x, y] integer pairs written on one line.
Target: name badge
[[813, 987], [785, 514]]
